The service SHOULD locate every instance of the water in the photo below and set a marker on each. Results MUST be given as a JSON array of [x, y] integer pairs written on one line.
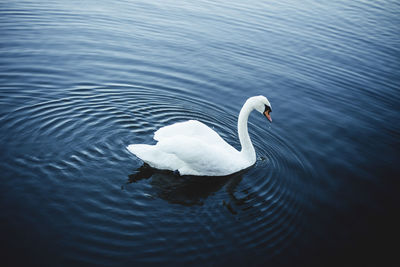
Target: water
[[81, 80]]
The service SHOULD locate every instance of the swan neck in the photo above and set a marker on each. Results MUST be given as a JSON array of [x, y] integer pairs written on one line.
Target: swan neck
[[247, 146]]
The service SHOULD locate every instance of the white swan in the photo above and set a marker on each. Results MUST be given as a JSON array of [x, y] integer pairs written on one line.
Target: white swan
[[192, 148]]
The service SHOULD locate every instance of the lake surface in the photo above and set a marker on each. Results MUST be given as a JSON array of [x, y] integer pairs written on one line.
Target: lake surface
[[81, 80]]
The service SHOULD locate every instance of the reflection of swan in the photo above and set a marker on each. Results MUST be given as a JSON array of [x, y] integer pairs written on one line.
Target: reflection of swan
[[192, 148], [188, 190]]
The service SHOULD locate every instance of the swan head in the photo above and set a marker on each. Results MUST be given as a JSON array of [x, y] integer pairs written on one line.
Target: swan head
[[262, 105]]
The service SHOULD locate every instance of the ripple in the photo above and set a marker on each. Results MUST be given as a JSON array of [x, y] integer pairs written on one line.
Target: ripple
[[258, 209], [80, 83], [267, 204]]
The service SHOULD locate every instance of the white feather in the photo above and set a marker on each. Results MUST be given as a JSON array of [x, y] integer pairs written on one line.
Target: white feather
[[192, 148]]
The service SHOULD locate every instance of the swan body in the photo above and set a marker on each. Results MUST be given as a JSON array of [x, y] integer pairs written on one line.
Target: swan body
[[192, 148]]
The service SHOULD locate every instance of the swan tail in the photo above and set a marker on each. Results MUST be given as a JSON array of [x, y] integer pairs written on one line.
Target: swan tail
[[140, 150], [155, 157], [147, 153]]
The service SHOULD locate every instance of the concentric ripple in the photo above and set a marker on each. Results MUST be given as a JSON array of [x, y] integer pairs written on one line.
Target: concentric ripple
[[78, 83], [80, 157]]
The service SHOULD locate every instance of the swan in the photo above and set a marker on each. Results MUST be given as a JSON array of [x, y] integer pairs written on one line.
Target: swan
[[192, 148]]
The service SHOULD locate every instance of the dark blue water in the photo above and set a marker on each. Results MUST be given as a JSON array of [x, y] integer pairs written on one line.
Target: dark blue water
[[80, 80]]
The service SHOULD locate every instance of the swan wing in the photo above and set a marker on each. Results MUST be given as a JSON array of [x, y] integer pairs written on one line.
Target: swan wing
[[188, 154], [191, 128], [192, 148]]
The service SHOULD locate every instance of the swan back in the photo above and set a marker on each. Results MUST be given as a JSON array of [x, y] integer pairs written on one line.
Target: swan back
[[190, 128]]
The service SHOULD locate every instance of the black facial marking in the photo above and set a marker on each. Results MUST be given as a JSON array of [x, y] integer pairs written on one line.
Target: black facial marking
[[267, 109]]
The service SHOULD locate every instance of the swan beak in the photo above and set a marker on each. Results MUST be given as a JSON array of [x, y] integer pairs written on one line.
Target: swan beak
[[266, 114]]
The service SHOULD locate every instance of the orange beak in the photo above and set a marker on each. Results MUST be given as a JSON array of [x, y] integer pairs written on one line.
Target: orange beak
[[266, 114]]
